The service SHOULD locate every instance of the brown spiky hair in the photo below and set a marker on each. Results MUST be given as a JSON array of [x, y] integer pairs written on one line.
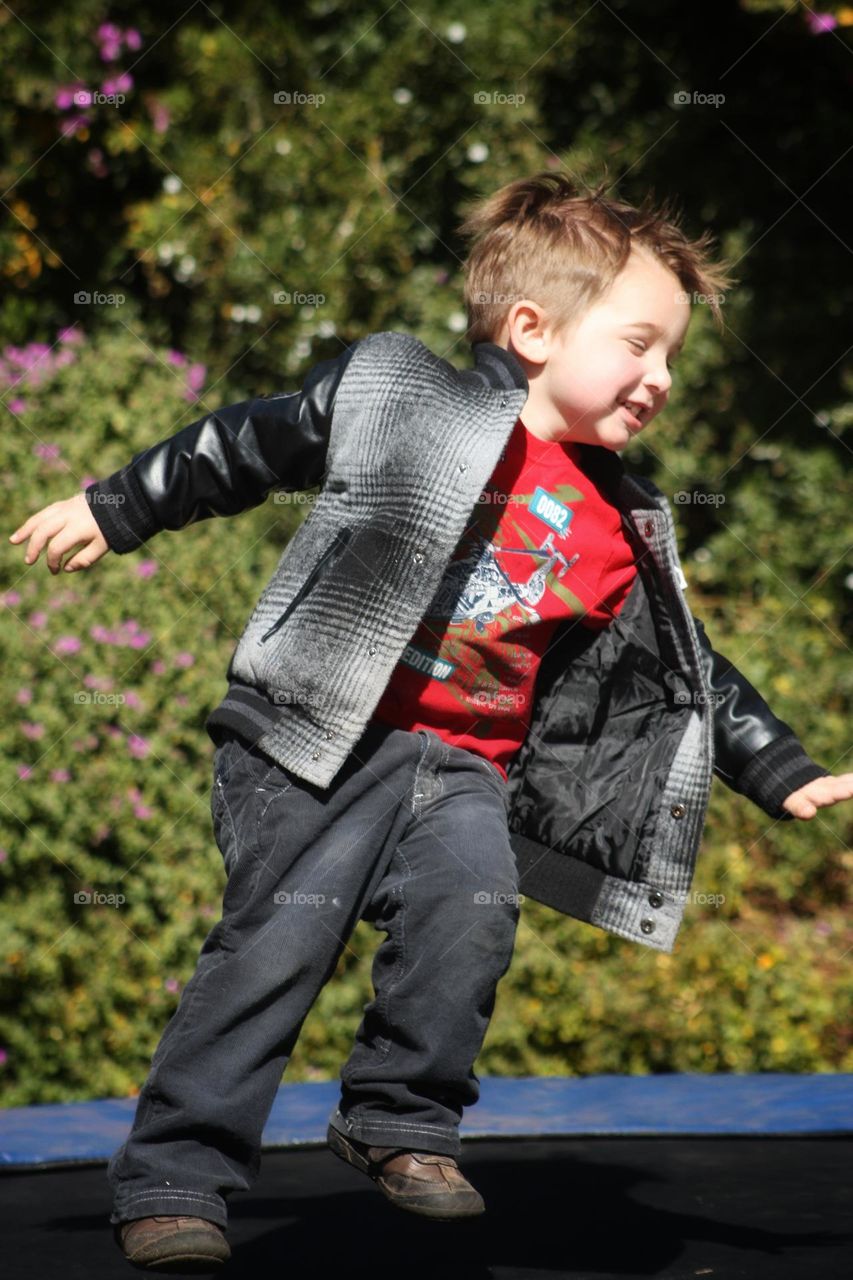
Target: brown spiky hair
[[549, 239]]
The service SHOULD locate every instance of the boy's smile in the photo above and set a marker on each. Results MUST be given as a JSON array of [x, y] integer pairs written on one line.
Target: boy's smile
[[605, 377]]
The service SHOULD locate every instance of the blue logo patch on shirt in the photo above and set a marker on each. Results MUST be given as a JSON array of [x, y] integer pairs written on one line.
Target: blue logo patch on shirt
[[555, 514]]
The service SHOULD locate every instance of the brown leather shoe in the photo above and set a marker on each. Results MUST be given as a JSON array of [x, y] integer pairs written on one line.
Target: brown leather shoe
[[176, 1244], [419, 1181]]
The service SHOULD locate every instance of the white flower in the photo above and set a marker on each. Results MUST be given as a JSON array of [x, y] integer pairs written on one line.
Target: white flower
[[326, 329], [238, 313], [166, 252], [456, 32], [253, 314], [283, 147], [172, 184], [188, 264], [477, 152], [345, 228], [457, 322], [403, 96], [302, 348]]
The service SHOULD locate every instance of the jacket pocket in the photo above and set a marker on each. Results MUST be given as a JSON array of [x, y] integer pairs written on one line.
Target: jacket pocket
[[337, 545]]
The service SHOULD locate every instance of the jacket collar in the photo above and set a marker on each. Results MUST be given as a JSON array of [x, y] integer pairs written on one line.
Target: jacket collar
[[498, 367]]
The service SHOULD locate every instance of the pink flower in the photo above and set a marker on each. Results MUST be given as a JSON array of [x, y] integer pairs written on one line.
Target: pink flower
[[114, 731], [3, 1056], [4, 853], [176, 357], [146, 568], [108, 31], [67, 644], [11, 598], [24, 771], [157, 667], [142, 811], [60, 775], [37, 619], [181, 699], [132, 38], [818, 23], [171, 984], [71, 124], [110, 51], [71, 334], [133, 700], [138, 747], [17, 405], [120, 84], [184, 659], [46, 450], [23, 696], [160, 116], [32, 730]]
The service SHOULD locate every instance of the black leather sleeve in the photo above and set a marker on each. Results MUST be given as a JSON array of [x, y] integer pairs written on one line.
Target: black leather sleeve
[[224, 463], [755, 753]]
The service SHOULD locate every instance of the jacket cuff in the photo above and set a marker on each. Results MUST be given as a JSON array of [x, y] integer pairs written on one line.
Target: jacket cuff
[[775, 771], [120, 510]]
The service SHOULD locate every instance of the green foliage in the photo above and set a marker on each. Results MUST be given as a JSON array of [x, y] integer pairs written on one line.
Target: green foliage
[[197, 203]]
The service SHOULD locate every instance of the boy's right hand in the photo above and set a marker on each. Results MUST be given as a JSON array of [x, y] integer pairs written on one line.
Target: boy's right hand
[[63, 525]]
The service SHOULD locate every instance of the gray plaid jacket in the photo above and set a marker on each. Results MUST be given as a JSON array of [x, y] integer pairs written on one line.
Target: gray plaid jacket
[[606, 798]]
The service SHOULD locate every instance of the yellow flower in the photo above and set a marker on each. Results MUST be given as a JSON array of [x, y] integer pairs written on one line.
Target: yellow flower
[[766, 961]]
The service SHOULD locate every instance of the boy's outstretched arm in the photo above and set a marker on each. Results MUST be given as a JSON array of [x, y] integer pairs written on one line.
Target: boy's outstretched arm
[[220, 465], [759, 755]]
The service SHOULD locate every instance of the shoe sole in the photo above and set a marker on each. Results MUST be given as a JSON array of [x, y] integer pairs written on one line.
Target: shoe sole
[[425, 1207]]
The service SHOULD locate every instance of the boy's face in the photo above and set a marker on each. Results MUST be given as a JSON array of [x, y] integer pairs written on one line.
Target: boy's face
[[618, 353]]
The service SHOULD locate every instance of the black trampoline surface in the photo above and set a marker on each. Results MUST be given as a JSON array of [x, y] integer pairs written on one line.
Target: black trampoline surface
[[583, 1207]]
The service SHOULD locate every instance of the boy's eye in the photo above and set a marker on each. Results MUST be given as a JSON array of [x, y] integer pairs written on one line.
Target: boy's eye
[[636, 342]]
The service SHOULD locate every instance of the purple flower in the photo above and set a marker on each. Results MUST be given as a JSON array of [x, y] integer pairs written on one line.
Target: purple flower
[[110, 51], [46, 450], [109, 31], [171, 984], [11, 598], [184, 659], [158, 667], [3, 1056], [60, 775], [32, 730], [146, 568], [37, 619], [24, 771], [818, 23], [132, 38], [17, 405], [138, 747], [72, 333], [23, 696], [176, 357], [67, 644], [133, 700]]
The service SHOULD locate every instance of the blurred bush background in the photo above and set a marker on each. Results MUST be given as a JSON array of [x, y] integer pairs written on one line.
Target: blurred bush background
[[327, 153]]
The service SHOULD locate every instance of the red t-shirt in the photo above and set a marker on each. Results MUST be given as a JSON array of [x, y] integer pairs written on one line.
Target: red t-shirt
[[544, 544]]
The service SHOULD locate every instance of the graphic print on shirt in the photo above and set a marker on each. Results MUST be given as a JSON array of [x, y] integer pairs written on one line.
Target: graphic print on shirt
[[499, 574]]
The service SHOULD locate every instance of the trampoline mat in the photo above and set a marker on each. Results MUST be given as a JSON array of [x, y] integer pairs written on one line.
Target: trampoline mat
[[587, 1208]]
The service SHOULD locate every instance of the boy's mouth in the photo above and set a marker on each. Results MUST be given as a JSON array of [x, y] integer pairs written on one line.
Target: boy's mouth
[[636, 412]]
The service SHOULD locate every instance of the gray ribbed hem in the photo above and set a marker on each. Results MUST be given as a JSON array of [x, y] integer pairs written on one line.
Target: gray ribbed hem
[[775, 771]]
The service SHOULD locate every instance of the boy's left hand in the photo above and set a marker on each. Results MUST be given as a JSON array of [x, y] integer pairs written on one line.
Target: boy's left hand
[[817, 794]]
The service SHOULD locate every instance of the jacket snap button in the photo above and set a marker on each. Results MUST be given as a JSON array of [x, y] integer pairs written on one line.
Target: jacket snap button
[[648, 528], [417, 557], [463, 466], [647, 926], [372, 650], [655, 898], [315, 755], [328, 734], [503, 404], [678, 811]]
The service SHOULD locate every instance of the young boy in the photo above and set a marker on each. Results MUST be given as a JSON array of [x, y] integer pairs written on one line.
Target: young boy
[[473, 662]]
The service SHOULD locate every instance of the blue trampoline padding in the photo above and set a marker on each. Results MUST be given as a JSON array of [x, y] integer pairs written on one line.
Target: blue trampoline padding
[[534, 1106]]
